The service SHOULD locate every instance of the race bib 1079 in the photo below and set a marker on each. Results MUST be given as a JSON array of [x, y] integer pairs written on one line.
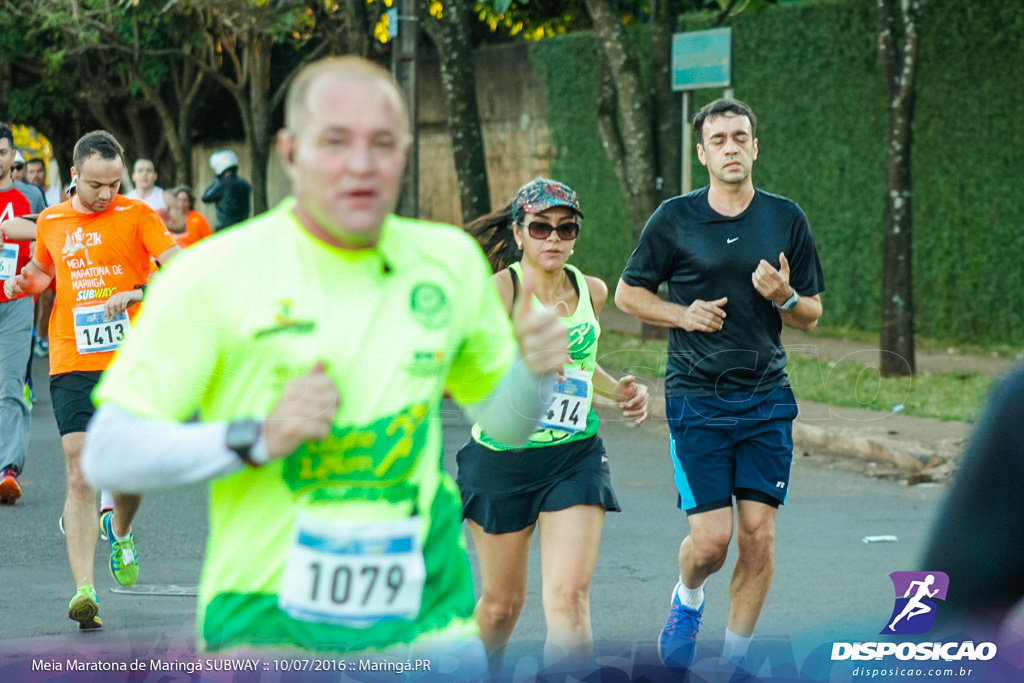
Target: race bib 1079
[[354, 575]]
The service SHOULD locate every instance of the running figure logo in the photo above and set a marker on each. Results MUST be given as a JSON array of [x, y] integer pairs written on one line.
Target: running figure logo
[[914, 611], [75, 243]]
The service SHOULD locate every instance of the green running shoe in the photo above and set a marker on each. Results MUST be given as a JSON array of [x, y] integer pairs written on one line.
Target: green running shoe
[[124, 560], [85, 608]]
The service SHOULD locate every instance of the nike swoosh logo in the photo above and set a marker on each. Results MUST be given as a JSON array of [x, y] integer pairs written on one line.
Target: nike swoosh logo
[[731, 240]]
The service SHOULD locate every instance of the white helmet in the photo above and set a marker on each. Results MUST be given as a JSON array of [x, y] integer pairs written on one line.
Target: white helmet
[[223, 160]]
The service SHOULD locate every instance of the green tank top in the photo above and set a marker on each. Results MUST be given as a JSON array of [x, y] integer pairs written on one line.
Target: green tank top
[[584, 331]]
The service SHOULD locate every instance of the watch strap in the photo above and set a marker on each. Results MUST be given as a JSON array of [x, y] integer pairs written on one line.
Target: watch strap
[[790, 303], [241, 438]]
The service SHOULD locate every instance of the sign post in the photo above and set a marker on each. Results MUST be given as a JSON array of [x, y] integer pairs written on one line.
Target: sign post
[[700, 59]]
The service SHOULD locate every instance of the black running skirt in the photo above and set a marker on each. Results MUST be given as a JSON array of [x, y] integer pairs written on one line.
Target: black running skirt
[[505, 491]]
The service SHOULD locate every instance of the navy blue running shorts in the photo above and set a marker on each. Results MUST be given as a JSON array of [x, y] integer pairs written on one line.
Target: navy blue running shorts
[[71, 395], [740, 445]]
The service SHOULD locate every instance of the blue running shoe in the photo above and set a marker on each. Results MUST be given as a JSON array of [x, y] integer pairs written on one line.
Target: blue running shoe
[[678, 638]]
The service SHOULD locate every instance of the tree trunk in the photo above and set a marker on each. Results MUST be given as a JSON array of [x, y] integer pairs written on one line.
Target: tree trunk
[[136, 145], [187, 92], [358, 28], [251, 92], [624, 120], [666, 105], [175, 113], [608, 116], [898, 46], [630, 147], [258, 58], [169, 127], [451, 36]]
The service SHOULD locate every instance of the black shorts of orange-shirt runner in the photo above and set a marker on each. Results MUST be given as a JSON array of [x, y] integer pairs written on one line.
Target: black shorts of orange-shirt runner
[[505, 491], [71, 395]]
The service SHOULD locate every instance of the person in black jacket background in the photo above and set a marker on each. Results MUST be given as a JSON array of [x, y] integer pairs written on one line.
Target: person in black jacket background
[[228, 192]]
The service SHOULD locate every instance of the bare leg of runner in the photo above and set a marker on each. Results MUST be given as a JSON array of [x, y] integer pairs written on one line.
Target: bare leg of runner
[[125, 507], [703, 551], [755, 565], [569, 542], [503, 568], [81, 519]]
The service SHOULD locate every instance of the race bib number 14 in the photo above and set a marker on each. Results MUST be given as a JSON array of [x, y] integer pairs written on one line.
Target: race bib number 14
[[568, 409]]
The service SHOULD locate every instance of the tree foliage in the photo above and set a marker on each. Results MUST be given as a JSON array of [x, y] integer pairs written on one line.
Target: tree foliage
[[144, 70], [116, 63]]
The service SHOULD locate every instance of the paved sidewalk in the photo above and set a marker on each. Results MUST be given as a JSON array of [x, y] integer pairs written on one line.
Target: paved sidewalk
[[883, 443]]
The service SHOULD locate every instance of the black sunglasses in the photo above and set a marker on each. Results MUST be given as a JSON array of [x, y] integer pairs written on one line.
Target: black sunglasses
[[539, 230], [17, 167]]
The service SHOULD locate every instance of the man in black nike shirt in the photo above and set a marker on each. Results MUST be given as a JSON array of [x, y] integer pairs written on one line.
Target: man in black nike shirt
[[739, 263]]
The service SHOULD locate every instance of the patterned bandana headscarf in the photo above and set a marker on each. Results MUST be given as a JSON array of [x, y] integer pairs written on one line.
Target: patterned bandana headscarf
[[541, 194]]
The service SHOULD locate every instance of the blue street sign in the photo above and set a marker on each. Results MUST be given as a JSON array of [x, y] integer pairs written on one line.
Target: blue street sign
[[702, 59]]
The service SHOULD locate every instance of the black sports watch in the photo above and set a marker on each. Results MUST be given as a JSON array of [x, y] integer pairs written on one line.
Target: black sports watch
[[242, 435]]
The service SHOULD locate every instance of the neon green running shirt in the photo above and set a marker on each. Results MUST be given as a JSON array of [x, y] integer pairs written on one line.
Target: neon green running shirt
[[584, 331], [226, 325]]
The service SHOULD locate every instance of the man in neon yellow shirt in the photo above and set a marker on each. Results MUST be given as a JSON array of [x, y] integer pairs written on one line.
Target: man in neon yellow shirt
[[315, 345]]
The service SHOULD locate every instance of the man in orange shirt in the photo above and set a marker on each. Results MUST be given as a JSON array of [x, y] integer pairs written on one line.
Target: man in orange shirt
[[99, 247], [196, 225]]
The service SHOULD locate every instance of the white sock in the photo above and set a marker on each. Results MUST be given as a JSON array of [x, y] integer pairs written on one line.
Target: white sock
[[691, 597], [735, 647], [117, 536], [106, 499]]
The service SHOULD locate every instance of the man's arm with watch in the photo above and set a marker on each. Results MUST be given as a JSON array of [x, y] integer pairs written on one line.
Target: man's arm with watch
[[173, 453], [169, 453], [799, 312], [803, 312]]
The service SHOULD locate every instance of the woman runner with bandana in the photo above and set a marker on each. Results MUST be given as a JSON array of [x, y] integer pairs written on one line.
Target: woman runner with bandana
[[559, 482]]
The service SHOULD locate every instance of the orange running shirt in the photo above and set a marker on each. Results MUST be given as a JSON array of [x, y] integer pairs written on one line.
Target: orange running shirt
[[196, 228], [96, 255]]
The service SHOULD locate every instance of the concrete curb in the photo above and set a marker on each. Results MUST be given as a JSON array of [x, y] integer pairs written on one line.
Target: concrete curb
[[909, 457], [876, 439]]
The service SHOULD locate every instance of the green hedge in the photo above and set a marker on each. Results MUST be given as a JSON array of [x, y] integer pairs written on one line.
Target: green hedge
[[568, 68], [812, 75]]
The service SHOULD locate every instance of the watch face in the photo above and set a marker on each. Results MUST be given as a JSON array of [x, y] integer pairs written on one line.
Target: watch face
[[242, 434]]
